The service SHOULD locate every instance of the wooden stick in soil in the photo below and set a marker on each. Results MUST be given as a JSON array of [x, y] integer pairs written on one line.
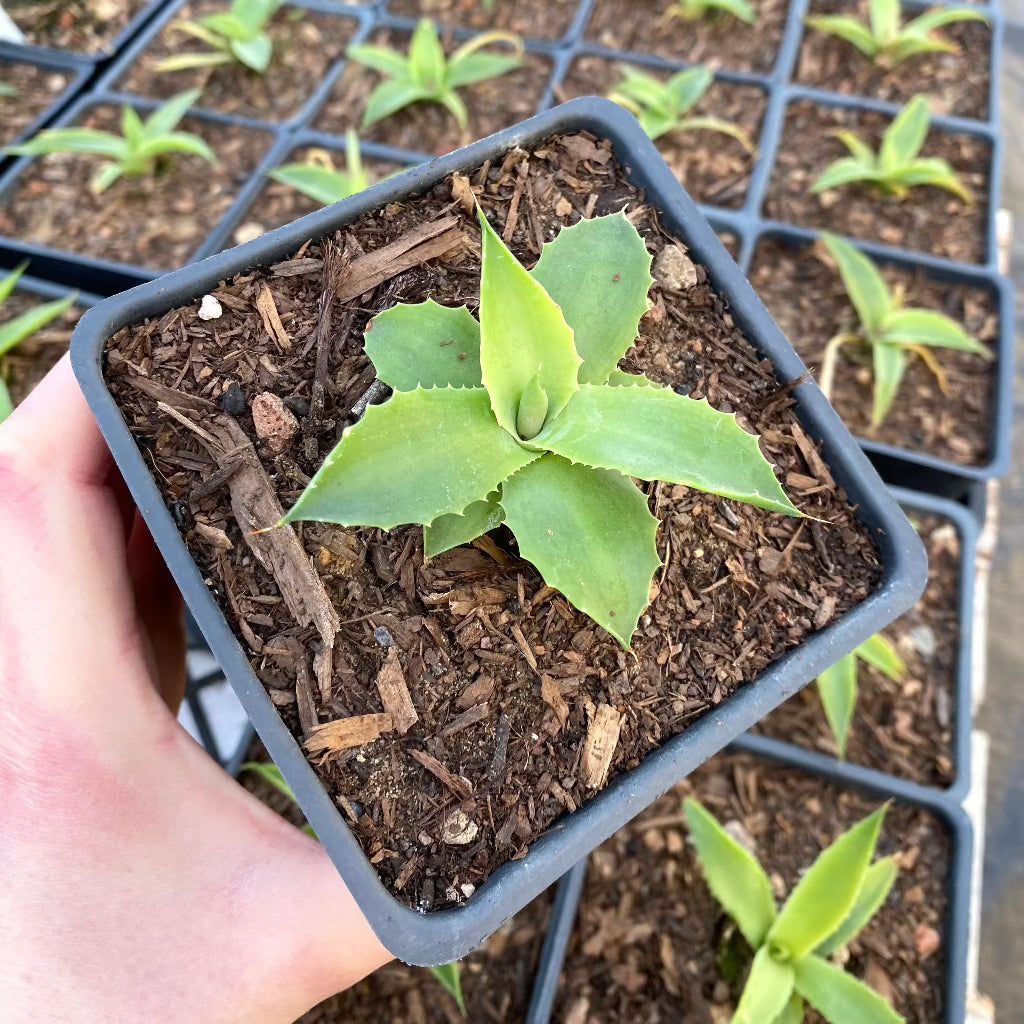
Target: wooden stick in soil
[[346, 733], [599, 749], [394, 693]]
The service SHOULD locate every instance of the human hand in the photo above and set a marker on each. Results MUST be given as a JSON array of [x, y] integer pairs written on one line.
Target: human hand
[[138, 881]]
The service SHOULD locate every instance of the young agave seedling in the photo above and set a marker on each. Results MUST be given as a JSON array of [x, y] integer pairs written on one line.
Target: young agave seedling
[[892, 330], [883, 40], [449, 976], [139, 151], [896, 167], [318, 178], [837, 685], [22, 327], [698, 10], [839, 894], [524, 417], [237, 36], [426, 74], [7, 92], [661, 107]]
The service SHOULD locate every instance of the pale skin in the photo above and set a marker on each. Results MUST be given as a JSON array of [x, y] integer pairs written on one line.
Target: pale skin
[[138, 882]]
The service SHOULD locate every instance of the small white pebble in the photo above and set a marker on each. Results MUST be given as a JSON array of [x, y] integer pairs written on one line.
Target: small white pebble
[[468, 888], [459, 829], [248, 232], [210, 308]]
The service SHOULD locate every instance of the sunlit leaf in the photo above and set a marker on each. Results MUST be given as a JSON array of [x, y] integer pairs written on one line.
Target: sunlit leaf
[[767, 990], [880, 653], [521, 331], [792, 1012], [9, 281], [382, 473], [478, 67], [379, 58], [599, 273], [903, 139], [590, 534], [449, 531], [864, 284], [926, 327], [427, 63], [733, 875], [22, 327], [825, 895], [6, 404], [878, 881], [654, 434], [89, 141], [390, 97], [425, 345], [848, 28], [450, 978], [254, 53], [837, 688], [839, 997], [890, 363], [885, 18]]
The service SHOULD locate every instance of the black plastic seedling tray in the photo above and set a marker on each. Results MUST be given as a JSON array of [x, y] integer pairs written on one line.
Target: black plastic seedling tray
[[956, 935], [78, 72], [1001, 294], [100, 276], [360, 15], [447, 935]]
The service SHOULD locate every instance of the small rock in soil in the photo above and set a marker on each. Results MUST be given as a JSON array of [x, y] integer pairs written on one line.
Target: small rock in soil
[[673, 270], [210, 308], [275, 423], [459, 829], [926, 940], [233, 400], [248, 232], [925, 641], [383, 636]]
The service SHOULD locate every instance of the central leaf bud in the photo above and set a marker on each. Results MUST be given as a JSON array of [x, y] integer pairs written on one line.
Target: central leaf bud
[[533, 409]]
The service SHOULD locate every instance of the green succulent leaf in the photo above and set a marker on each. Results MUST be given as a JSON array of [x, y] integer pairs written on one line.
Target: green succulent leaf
[[425, 345], [132, 127], [767, 990], [825, 895], [885, 18], [654, 434], [934, 171], [6, 403], [733, 874], [694, 10], [890, 363], [254, 53], [455, 528], [190, 61], [450, 978], [382, 473], [590, 534], [839, 997], [878, 652], [223, 24], [9, 281], [716, 124], [521, 330], [22, 327], [390, 97], [857, 147], [848, 28], [837, 688], [904, 138], [864, 284], [380, 58], [599, 273], [878, 881], [621, 379], [321, 184], [175, 142], [926, 327], [88, 141], [845, 171], [451, 102], [792, 1012], [479, 67], [909, 46], [427, 63], [940, 16]]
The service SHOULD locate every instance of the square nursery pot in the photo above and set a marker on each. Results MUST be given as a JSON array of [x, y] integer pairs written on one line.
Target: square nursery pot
[[107, 49], [445, 935], [952, 819], [27, 69], [917, 468], [965, 523], [103, 276]]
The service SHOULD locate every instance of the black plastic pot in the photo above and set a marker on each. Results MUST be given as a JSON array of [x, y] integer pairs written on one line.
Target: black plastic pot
[[1001, 294], [966, 525], [100, 56], [447, 935], [105, 277], [961, 836], [77, 71], [362, 15]]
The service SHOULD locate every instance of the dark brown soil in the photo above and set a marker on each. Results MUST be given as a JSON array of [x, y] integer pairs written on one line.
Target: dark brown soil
[[957, 84], [82, 25], [809, 302], [156, 222], [904, 729], [532, 19], [280, 204], [428, 127], [37, 88], [719, 41], [25, 366], [929, 219], [497, 978], [651, 942], [713, 167], [306, 44], [476, 630]]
